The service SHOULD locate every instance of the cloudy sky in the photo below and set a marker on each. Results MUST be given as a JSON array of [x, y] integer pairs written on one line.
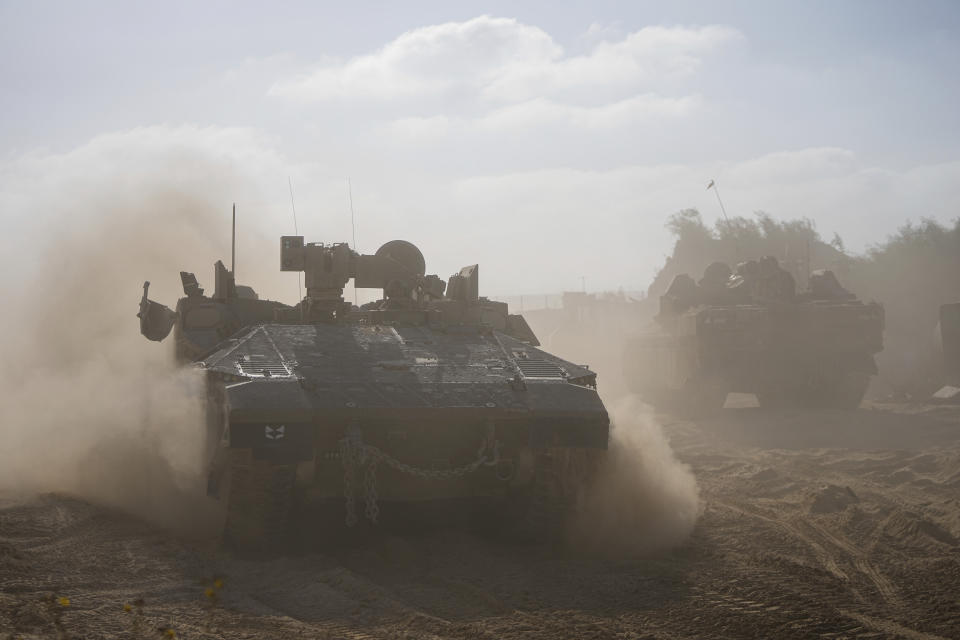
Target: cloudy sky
[[547, 142]]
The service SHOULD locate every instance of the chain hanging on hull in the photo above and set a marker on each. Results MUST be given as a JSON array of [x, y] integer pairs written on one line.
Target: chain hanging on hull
[[356, 454]]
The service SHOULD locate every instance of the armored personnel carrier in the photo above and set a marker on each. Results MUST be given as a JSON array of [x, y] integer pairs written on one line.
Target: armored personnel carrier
[[950, 340], [433, 392], [749, 332], [950, 344]]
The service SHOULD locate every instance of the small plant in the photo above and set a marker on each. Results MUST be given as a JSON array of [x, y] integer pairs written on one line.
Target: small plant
[[56, 606], [137, 621], [211, 594]]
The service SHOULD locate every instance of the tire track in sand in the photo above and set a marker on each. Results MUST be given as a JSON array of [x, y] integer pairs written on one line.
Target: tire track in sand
[[796, 526], [891, 627], [860, 561], [825, 558]]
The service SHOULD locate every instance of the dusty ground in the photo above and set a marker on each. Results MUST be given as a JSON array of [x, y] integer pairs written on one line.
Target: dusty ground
[[818, 524]]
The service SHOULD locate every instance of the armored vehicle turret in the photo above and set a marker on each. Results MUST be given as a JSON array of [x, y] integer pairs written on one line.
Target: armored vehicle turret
[[748, 331], [432, 392]]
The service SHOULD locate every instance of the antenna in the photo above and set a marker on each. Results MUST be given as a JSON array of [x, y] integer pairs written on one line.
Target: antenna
[[353, 226], [716, 190], [296, 232], [233, 244]]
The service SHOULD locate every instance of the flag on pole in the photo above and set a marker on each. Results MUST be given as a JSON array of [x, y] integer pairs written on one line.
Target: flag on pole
[[710, 185]]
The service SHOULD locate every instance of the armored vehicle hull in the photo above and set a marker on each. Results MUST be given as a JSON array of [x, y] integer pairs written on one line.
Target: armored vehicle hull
[[802, 352], [422, 396], [363, 413], [950, 340]]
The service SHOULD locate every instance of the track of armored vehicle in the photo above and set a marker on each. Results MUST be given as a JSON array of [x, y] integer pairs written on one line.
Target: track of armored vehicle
[[431, 393]]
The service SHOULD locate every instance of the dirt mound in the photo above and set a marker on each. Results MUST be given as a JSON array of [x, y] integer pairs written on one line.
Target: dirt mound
[[10, 557], [765, 475], [832, 499], [911, 529], [767, 483], [36, 615]]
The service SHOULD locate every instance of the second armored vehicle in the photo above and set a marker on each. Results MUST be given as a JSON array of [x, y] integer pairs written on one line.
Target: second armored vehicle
[[749, 332], [950, 339], [950, 343], [432, 392]]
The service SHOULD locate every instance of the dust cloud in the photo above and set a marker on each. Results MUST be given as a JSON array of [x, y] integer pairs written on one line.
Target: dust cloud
[[644, 500], [90, 408]]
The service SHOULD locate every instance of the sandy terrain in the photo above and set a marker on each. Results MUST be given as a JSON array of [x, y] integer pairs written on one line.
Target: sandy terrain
[[816, 524]]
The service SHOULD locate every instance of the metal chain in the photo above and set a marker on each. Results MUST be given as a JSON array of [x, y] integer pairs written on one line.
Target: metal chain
[[354, 452], [349, 475], [370, 485]]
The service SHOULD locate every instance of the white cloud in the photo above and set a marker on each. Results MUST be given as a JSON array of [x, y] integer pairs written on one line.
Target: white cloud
[[642, 59], [544, 113], [424, 129], [598, 31], [501, 60], [438, 58], [798, 166], [540, 111]]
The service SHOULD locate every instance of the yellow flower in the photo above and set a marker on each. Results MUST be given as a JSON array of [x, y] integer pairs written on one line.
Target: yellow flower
[[127, 607], [63, 601], [170, 633], [209, 592], [218, 584]]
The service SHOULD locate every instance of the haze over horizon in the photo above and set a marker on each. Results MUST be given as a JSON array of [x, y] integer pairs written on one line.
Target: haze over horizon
[[546, 143]]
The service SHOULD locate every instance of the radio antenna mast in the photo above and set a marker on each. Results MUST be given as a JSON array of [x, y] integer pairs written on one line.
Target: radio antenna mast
[[353, 223], [353, 226], [296, 232], [716, 190], [233, 244]]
